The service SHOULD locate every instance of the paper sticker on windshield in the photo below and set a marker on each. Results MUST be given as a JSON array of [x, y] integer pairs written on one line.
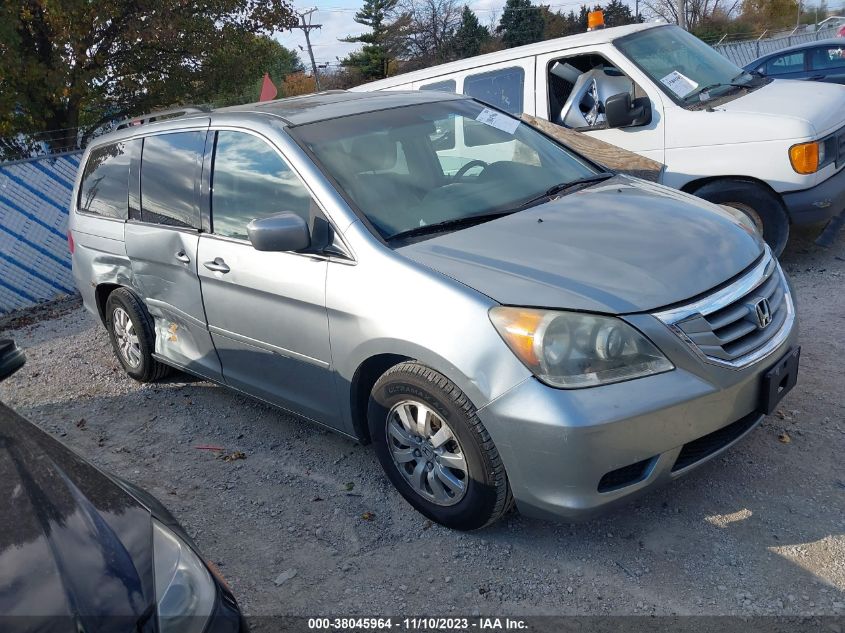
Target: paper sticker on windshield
[[498, 120], [679, 84]]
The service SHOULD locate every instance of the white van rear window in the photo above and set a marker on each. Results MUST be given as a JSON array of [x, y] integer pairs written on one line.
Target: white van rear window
[[502, 88]]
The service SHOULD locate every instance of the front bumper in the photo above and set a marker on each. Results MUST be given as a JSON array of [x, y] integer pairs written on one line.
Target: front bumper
[[571, 454], [817, 204]]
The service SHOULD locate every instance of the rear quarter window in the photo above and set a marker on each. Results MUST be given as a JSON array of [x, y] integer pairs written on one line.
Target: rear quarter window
[[104, 189], [170, 169]]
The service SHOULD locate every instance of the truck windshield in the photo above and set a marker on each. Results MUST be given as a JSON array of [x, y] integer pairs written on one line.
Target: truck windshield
[[684, 67], [441, 166]]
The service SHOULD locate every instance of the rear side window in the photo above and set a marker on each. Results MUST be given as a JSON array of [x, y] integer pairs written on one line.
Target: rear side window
[[502, 88], [170, 167], [828, 57], [251, 181], [105, 181]]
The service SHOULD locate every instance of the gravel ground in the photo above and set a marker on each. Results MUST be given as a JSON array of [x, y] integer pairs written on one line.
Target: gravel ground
[[306, 524]]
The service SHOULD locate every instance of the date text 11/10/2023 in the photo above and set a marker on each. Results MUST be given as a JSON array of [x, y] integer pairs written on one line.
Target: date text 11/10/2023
[[454, 624]]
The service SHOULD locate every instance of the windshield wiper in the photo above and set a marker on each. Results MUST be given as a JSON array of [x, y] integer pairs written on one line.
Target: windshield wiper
[[459, 223], [441, 227], [569, 185], [719, 84]]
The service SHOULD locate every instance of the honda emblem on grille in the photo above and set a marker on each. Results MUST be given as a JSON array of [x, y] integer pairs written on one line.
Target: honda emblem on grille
[[764, 312]]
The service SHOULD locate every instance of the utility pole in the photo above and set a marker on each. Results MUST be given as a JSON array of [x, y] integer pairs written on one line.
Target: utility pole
[[682, 14], [307, 27]]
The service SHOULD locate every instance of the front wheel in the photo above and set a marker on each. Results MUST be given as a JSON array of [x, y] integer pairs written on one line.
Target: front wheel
[[762, 206], [435, 450]]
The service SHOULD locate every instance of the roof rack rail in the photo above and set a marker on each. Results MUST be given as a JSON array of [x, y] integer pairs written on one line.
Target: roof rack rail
[[161, 115]]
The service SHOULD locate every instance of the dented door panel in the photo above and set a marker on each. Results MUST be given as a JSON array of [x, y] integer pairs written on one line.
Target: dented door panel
[[164, 265]]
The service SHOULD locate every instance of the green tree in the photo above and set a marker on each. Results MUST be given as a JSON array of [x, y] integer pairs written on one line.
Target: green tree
[[234, 73], [521, 23], [769, 14], [557, 24], [470, 35], [66, 63], [380, 44], [617, 13]]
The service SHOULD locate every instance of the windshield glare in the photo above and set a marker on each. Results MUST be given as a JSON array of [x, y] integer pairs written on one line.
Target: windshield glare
[[680, 63], [447, 161]]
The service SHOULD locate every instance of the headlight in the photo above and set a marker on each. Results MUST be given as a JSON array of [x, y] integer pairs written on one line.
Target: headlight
[[184, 589], [571, 350]]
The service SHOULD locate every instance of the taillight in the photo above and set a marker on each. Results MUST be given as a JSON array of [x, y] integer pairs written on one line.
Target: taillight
[[70, 243]]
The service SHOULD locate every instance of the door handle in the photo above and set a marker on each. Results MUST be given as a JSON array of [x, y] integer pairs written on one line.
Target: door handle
[[815, 77], [182, 257], [217, 265]]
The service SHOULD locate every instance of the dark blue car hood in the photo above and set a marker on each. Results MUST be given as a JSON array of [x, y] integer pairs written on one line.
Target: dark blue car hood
[[75, 548]]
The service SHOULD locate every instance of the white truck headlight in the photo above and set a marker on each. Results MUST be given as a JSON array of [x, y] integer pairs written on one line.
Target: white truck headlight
[[185, 592], [571, 349]]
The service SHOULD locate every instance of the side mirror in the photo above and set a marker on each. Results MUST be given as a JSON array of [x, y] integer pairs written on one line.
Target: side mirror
[[280, 232], [620, 111], [12, 358]]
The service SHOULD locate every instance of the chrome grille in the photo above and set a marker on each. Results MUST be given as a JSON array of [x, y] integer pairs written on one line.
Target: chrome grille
[[741, 323]]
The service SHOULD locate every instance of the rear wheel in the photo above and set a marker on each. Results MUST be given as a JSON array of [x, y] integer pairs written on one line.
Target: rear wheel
[[132, 336], [762, 206], [435, 450]]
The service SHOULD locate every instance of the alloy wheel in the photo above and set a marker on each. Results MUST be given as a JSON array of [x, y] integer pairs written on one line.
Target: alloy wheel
[[427, 453], [126, 337]]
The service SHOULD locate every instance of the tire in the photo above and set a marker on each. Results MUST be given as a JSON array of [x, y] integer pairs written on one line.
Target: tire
[[136, 329], [405, 390], [762, 206]]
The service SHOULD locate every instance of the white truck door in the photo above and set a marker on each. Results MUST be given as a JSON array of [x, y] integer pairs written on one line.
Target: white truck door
[[610, 70]]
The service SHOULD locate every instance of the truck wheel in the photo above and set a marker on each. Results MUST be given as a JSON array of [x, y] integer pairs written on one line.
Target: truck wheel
[[132, 336], [435, 450], [758, 203]]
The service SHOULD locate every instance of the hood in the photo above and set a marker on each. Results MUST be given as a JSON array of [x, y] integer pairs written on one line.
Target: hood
[[74, 546], [817, 104], [622, 246]]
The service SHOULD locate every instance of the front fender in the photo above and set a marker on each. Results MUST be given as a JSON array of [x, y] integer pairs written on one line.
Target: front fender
[[387, 304]]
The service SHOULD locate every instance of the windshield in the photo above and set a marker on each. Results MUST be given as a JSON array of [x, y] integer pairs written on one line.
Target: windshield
[[435, 163], [686, 68]]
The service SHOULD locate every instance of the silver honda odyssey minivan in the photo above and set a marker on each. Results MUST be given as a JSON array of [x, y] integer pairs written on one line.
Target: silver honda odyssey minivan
[[504, 320]]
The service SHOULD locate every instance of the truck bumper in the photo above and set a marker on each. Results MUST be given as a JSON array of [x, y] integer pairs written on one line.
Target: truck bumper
[[817, 204]]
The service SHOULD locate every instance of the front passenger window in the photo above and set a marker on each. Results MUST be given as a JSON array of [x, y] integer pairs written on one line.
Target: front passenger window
[[791, 63], [251, 181]]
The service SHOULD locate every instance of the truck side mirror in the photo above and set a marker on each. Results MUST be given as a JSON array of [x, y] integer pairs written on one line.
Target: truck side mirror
[[621, 111]]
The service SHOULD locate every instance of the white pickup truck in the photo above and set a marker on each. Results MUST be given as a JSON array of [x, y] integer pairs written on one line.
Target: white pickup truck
[[774, 149]]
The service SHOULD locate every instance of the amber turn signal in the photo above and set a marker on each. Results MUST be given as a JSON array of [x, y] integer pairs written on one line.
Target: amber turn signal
[[518, 327], [805, 157]]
